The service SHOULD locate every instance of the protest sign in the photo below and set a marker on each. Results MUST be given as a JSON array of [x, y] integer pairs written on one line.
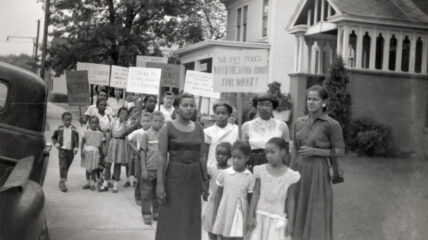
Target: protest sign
[[77, 88], [118, 77], [144, 80], [240, 71], [170, 76], [200, 84], [98, 74], [143, 60]]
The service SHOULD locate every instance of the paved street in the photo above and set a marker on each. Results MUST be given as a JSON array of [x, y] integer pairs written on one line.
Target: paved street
[[380, 199]]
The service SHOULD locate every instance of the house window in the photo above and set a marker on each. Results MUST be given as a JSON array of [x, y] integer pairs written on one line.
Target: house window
[[238, 24], [265, 17], [244, 24]]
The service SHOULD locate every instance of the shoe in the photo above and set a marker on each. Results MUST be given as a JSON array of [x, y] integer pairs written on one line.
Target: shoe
[[110, 184], [138, 202], [126, 185], [63, 187], [103, 189], [134, 184], [93, 188], [147, 218], [155, 216], [86, 187], [115, 190]]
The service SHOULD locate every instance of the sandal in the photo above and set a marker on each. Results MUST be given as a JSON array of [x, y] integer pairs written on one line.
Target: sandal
[[147, 218]]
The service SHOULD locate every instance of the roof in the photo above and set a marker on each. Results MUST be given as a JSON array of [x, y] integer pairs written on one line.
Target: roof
[[404, 10], [222, 43]]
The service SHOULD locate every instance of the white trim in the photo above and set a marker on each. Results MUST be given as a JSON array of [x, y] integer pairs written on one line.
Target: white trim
[[412, 55], [223, 43], [378, 21], [424, 53], [373, 41], [321, 27], [399, 52], [385, 58]]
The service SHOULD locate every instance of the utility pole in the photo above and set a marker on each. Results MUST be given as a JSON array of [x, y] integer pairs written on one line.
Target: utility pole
[[45, 39], [36, 46]]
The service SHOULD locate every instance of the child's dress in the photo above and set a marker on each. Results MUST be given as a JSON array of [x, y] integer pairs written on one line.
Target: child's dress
[[93, 141], [270, 213], [233, 208], [207, 222], [118, 150]]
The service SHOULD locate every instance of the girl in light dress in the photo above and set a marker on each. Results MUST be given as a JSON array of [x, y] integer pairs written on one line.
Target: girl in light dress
[[231, 200], [223, 154], [270, 207], [92, 148]]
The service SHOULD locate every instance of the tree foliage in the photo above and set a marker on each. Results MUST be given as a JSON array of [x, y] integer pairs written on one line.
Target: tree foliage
[[23, 60], [115, 31], [339, 103]]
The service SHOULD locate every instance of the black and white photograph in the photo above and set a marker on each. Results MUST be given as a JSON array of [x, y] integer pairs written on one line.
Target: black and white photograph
[[213, 119]]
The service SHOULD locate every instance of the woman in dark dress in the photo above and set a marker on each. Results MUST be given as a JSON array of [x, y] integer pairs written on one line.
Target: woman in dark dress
[[316, 138], [183, 179]]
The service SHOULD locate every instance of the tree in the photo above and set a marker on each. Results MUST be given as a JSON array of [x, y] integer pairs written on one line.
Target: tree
[[114, 32], [339, 103], [23, 60]]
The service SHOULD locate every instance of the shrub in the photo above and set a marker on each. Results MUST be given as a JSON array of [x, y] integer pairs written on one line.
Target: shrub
[[58, 98], [370, 138]]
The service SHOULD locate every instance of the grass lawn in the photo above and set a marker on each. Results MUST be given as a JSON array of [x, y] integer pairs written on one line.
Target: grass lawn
[[381, 199]]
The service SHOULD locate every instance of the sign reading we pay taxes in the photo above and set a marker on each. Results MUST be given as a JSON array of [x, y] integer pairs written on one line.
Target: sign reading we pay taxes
[[144, 80], [240, 71]]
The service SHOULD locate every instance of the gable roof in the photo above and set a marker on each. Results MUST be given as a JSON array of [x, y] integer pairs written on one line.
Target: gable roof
[[403, 11]]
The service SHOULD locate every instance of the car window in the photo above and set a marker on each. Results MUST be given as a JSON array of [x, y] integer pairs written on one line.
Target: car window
[[3, 95]]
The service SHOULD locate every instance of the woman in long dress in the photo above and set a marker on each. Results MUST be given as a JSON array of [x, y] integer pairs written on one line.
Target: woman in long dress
[[183, 179], [316, 138]]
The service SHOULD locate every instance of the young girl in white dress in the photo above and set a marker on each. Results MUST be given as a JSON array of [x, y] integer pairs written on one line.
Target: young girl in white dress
[[270, 208], [92, 148], [231, 200], [223, 154]]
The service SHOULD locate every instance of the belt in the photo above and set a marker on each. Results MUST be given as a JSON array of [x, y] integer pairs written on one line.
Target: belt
[[123, 138], [183, 161]]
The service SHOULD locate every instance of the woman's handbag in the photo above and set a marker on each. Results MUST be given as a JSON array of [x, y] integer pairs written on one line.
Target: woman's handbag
[[335, 171]]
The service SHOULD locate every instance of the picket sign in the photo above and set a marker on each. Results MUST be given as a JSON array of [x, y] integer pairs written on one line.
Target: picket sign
[[77, 89], [119, 77], [144, 80], [98, 74], [141, 61], [240, 71]]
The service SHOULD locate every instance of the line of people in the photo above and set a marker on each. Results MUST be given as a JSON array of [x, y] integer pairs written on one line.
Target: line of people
[[246, 179]]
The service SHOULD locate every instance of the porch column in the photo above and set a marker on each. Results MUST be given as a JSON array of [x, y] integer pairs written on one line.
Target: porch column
[[412, 53], [359, 48], [309, 20], [385, 57], [296, 55], [345, 45], [424, 54], [321, 45], [322, 10], [316, 11], [302, 53], [372, 58], [309, 44], [328, 10], [399, 51]]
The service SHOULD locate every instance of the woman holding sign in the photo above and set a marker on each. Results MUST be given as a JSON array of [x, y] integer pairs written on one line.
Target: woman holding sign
[[116, 102], [181, 181], [264, 127]]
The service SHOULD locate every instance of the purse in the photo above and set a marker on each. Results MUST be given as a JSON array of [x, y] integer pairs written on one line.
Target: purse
[[335, 171]]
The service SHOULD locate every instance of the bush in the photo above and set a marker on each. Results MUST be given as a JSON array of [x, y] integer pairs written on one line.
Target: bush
[[58, 98], [370, 138]]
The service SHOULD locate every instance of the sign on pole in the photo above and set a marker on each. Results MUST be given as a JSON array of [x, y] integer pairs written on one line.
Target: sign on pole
[[170, 76], [98, 74], [240, 71], [200, 84], [77, 88], [143, 80], [143, 60], [118, 77]]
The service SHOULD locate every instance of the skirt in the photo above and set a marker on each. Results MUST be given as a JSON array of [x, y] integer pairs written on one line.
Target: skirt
[[91, 158], [180, 216], [269, 228], [118, 151], [314, 200]]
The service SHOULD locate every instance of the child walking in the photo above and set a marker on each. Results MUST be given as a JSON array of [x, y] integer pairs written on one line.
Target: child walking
[[235, 186], [117, 154], [270, 206], [66, 139], [92, 148], [134, 140], [149, 164], [223, 153]]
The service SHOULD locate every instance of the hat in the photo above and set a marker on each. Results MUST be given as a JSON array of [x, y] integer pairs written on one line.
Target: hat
[[274, 84], [266, 97]]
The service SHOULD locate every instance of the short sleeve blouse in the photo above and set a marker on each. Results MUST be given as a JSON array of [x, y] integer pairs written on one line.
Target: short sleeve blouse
[[259, 131]]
